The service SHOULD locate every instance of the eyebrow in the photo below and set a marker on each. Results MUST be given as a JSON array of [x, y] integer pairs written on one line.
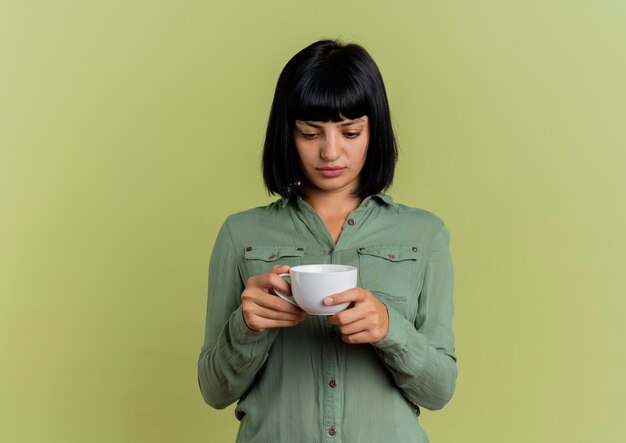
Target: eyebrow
[[347, 123]]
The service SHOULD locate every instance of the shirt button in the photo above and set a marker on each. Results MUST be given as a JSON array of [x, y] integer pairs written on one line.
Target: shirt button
[[391, 256], [332, 383], [351, 222], [332, 430], [414, 249], [331, 251]]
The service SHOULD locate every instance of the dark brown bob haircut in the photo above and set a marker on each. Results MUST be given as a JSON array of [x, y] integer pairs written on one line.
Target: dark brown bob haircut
[[329, 80]]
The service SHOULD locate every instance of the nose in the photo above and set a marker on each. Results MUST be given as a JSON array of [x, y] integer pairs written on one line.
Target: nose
[[329, 150]]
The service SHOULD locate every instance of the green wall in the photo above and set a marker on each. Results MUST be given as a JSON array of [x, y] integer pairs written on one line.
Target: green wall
[[130, 129]]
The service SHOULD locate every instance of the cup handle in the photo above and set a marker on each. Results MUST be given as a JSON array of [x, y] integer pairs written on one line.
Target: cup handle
[[285, 296]]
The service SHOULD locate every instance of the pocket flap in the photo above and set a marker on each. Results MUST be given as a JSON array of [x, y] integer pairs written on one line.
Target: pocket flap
[[272, 253], [391, 253]]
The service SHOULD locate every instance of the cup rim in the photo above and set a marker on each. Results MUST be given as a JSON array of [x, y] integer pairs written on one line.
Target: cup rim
[[345, 268]]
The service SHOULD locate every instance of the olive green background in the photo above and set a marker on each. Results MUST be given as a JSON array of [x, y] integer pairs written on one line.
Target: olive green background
[[130, 129]]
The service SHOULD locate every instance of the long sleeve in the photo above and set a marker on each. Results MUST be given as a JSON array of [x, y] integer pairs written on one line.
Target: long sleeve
[[232, 354], [421, 356]]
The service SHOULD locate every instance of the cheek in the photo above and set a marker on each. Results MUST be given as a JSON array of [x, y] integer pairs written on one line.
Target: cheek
[[302, 159], [363, 155], [307, 155], [300, 152]]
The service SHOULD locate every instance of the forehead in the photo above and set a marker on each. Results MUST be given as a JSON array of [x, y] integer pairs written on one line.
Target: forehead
[[344, 122]]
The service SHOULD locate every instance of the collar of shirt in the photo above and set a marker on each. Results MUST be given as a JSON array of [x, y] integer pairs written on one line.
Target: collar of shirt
[[380, 198]]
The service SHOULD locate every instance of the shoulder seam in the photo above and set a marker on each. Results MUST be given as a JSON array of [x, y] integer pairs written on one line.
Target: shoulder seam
[[230, 235], [431, 252]]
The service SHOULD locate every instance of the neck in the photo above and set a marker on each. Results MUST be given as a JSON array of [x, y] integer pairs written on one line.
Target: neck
[[332, 204]]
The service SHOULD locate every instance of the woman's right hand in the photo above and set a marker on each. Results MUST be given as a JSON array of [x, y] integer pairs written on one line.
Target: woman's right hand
[[264, 310]]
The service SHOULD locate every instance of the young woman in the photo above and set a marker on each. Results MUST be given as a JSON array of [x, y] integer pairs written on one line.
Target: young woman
[[361, 375]]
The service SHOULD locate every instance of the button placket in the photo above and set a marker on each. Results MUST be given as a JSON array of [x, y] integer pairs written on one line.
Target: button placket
[[333, 396]]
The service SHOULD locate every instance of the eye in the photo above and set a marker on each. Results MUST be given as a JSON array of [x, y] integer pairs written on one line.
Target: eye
[[352, 134], [308, 135]]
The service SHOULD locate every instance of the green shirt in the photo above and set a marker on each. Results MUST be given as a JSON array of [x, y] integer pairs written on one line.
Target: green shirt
[[304, 384]]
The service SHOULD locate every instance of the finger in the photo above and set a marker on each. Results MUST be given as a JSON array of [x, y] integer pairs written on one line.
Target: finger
[[255, 296], [358, 338], [281, 324], [351, 295], [275, 282], [275, 303], [280, 269], [354, 328], [347, 316], [269, 281], [261, 323], [271, 314]]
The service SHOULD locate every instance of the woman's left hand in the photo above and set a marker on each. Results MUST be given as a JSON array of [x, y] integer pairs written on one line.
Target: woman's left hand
[[366, 319]]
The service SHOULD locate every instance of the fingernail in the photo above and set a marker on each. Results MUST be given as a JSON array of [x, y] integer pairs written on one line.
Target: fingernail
[[328, 300]]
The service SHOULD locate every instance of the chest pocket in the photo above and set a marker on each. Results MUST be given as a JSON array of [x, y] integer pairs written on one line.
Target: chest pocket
[[260, 259], [391, 273]]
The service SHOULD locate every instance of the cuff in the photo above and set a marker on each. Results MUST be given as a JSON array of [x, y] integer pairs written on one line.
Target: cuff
[[241, 333], [396, 338]]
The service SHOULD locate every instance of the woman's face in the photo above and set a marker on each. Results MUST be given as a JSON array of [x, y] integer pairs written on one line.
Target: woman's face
[[332, 154]]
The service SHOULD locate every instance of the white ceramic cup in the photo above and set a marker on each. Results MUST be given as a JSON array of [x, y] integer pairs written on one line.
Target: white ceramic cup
[[310, 284]]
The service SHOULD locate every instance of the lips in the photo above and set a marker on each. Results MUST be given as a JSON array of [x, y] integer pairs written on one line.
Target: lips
[[331, 171]]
